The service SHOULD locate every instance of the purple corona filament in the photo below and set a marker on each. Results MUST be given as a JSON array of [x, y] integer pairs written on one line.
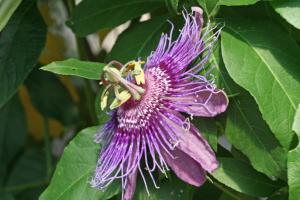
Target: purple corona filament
[[153, 126]]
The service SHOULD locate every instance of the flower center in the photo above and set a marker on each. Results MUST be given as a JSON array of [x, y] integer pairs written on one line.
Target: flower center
[[139, 114], [123, 88]]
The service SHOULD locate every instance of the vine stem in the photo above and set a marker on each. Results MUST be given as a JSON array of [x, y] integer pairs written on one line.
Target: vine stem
[[47, 148]]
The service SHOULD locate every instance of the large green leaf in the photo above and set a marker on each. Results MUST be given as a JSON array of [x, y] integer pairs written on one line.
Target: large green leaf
[[289, 10], [59, 104], [7, 8], [172, 5], [268, 67], [139, 40], [245, 129], [248, 132], [294, 162], [6, 196], [74, 170], [92, 15], [74, 67], [12, 132], [29, 170], [242, 178], [21, 42]]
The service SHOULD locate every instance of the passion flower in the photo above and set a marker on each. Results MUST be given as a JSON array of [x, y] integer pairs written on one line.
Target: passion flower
[[146, 117]]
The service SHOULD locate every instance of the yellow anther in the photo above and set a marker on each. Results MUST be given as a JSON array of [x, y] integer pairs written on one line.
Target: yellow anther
[[131, 65], [122, 98], [127, 68], [138, 72]]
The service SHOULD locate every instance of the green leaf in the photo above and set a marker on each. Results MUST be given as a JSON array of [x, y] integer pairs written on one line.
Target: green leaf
[[21, 42], [74, 170], [59, 104], [92, 15], [245, 129], [267, 67], [296, 123], [209, 6], [74, 67], [242, 178], [6, 196], [7, 8], [172, 5], [29, 169], [12, 132], [289, 10], [294, 162], [237, 2], [138, 40]]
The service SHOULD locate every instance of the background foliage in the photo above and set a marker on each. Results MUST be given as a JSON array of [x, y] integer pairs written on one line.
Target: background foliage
[[45, 154]]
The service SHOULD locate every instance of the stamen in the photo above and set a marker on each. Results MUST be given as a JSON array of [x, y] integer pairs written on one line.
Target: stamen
[[117, 78], [120, 99], [104, 97], [136, 68], [139, 74], [104, 100]]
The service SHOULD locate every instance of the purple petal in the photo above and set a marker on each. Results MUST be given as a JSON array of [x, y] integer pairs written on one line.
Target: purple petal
[[181, 52], [206, 102], [185, 167], [191, 142], [130, 186]]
